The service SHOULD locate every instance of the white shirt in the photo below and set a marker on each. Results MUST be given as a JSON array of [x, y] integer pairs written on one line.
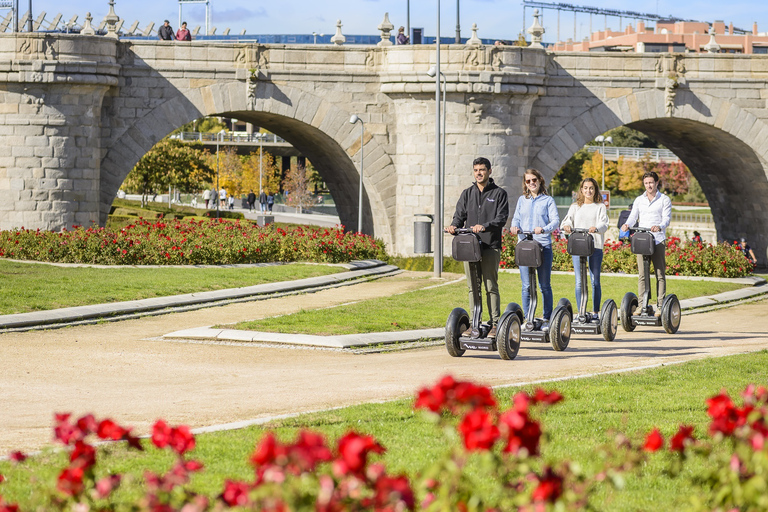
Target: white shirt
[[649, 213], [586, 216]]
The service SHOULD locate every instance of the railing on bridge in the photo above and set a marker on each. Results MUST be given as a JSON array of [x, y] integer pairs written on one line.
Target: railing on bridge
[[677, 217], [656, 155], [230, 138]]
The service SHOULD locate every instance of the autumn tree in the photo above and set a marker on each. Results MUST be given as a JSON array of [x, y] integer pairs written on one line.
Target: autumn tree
[[170, 163], [593, 168], [270, 174], [230, 168], [296, 183]]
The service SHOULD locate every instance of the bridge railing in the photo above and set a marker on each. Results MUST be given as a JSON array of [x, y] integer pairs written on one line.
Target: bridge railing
[[677, 217], [656, 155], [231, 137]]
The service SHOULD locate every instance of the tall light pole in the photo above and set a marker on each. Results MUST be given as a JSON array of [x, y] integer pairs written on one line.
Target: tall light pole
[[261, 159], [438, 182], [603, 140], [458, 25], [353, 120], [218, 188], [432, 72], [408, 18]]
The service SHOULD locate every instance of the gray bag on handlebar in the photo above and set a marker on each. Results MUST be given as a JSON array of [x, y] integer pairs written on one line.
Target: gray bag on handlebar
[[581, 244], [466, 247], [643, 243], [528, 253]]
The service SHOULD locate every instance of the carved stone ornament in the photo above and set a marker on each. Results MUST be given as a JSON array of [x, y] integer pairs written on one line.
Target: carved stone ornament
[[536, 31], [475, 110], [385, 27], [474, 40], [712, 46], [87, 29], [338, 38], [672, 69], [250, 90]]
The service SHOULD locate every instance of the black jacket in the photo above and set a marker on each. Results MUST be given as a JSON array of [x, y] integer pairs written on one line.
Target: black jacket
[[165, 33], [489, 208]]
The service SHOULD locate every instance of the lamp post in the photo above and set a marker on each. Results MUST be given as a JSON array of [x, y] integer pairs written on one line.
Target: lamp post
[[438, 263], [261, 158], [603, 140], [218, 188], [353, 120], [432, 72], [458, 25]]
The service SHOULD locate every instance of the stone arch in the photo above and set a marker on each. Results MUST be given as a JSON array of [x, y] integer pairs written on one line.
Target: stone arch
[[317, 127], [722, 144]]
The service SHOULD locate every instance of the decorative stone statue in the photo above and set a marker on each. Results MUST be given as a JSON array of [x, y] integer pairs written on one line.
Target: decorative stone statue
[[339, 37], [536, 31], [386, 28]]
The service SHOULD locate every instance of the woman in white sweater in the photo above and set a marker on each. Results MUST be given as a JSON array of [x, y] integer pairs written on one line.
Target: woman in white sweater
[[588, 212]]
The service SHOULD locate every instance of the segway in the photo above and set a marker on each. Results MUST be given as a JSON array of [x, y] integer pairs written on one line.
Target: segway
[[581, 244], [643, 243], [528, 253], [466, 247]]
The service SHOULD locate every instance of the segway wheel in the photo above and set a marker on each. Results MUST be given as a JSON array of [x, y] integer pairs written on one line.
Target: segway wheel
[[560, 329], [671, 314], [508, 336], [567, 305], [609, 320], [628, 307], [515, 308], [458, 322]]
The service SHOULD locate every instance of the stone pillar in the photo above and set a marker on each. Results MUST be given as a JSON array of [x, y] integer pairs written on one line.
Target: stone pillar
[[51, 103]]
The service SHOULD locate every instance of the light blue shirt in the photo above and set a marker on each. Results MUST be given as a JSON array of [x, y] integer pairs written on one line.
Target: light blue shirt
[[537, 212]]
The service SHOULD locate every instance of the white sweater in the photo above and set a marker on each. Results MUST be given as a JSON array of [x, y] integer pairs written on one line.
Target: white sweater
[[587, 216]]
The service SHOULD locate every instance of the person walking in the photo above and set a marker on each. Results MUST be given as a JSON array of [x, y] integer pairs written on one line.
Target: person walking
[[401, 37], [588, 212], [263, 201], [536, 212], [251, 200], [484, 208], [652, 210], [231, 202], [207, 197], [222, 198], [270, 201], [165, 32], [183, 34]]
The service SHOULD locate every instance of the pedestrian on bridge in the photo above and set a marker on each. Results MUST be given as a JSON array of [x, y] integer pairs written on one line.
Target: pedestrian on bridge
[[183, 34], [165, 33]]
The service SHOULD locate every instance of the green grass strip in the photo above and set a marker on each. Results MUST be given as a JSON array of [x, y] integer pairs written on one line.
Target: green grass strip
[[429, 308], [37, 287]]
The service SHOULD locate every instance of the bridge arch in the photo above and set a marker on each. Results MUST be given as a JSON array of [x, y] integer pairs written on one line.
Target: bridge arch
[[316, 127], [722, 144]]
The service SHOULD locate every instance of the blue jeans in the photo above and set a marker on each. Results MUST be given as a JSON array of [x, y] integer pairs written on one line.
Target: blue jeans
[[545, 273], [594, 264]]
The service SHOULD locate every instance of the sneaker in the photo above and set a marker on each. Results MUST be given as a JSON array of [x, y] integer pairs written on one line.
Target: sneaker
[[492, 332], [657, 313], [467, 333], [545, 326], [595, 317]]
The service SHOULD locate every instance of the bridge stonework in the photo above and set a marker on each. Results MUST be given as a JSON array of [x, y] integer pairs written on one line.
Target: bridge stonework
[[78, 112]]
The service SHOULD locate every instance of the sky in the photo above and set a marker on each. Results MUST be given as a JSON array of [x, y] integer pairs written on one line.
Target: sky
[[496, 19]]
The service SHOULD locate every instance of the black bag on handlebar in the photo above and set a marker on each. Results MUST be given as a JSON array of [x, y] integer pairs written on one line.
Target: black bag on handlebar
[[581, 244], [466, 247], [643, 243], [528, 253]]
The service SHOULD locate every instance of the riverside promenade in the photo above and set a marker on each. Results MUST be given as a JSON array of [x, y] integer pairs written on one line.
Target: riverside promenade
[[129, 370]]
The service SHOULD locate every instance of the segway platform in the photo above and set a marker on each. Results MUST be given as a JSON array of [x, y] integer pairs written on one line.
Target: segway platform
[[533, 333]]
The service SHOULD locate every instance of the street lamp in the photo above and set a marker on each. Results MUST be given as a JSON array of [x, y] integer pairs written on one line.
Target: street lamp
[[218, 189], [353, 120], [433, 72], [438, 263], [261, 136], [603, 140], [458, 25]]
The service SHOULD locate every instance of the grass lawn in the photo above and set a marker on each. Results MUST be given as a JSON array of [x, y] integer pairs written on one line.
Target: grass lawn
[[35, 287], [632, 402], [429, 308]]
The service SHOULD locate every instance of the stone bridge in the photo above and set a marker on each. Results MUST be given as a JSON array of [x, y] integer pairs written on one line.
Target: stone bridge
[[77, 112]]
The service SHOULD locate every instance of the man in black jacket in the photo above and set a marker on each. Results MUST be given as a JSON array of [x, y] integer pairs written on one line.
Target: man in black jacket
[[484, 208], [165, 33]]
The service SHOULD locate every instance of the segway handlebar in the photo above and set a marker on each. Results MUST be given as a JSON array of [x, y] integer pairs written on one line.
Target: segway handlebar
[[640, 230], [460, 231]]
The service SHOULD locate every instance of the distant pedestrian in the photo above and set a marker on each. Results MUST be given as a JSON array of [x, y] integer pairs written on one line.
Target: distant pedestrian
[[401, 37], [251, 200], [263, 201], [207, 198], [231, 201], [270, 201], [183, 34], [747, 250], [223, 197], [165, 33], [697, 237]]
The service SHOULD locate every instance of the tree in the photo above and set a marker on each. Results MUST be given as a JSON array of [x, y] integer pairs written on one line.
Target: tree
[[675, 177], [593, 168], [630, 177], [296, 183], [269, 172], [203, 125], [568, 178], [230, 170], [170, 163], [626, 137]]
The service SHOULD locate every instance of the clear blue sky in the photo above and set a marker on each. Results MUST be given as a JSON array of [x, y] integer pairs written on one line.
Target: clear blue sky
[[497, 19]]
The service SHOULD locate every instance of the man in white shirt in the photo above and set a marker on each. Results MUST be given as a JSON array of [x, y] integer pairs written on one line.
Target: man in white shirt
[[653, 210]]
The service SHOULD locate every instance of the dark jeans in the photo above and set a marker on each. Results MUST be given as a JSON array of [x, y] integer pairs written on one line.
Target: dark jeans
[[594, 264], [545, 273], [490, 270]]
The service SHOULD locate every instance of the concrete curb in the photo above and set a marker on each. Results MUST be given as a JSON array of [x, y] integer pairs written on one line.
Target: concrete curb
[[384, 338], [64, 316]]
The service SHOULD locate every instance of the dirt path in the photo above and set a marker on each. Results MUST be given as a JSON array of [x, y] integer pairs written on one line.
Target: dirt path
[[118, 370]]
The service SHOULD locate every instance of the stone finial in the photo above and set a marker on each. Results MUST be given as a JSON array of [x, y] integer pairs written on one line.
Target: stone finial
[[474, 40], [87, 29], [112, 20], [386, 28], [712, 46], [536, 31], [338, 38]]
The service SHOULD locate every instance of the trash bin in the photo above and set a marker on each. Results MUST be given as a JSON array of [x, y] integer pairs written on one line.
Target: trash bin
[[422, 234]]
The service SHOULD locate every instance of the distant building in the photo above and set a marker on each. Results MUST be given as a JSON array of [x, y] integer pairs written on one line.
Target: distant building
[[681, 36]]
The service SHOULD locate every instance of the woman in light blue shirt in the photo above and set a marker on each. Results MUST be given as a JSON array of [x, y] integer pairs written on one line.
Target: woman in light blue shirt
[[536, 212]]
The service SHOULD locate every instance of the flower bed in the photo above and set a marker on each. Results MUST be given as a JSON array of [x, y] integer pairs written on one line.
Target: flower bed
[[189, 242], [683, 258], [502, 448]]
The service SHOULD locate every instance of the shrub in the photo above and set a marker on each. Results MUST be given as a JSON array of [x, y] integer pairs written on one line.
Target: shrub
[[189, 242]]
